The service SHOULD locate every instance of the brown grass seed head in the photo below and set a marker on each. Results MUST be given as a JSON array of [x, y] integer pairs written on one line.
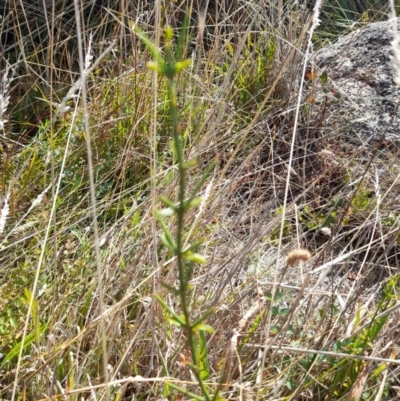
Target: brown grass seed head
[[296, 256]]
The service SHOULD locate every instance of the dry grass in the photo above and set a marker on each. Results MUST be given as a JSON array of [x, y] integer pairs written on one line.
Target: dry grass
[[299, 226]]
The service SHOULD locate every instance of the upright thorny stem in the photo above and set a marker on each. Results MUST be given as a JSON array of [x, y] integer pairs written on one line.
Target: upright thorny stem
[[170, 72], [171, 69], [185, 254]]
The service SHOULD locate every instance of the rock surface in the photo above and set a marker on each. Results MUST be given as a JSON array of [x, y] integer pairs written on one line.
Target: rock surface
[[359, 70]]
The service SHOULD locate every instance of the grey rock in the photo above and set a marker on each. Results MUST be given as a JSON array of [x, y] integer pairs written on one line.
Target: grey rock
[[359, 69]]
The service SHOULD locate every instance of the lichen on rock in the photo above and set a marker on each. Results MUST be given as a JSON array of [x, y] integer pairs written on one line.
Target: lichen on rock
[[359, 67]]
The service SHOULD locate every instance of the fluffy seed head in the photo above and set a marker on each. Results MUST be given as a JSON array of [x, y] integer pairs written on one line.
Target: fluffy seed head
[[296, 256]]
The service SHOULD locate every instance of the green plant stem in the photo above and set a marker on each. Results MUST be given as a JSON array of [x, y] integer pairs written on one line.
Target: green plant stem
[[183, 273]]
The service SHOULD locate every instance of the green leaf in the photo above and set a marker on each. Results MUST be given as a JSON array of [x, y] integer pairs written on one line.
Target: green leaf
[[193, 367], [283, 311], [203, 356], [170, 288], [180, 65], [192, 203], [358, 319], [155, 67], [190, 163], [168, 202], [290, 384], [278, 296], [186, 392], [176, 318], [167, 239], [275, 311], [376, 327], [184, 33], [194, 246], [324, 77], [290, 330], [34, 313], [382, 367], [176, 322], [230, 48], [28, 340], [84, 310], [72, 373], [203, 327], [148, 43], [194, 257], [168, 32], [203, 317]]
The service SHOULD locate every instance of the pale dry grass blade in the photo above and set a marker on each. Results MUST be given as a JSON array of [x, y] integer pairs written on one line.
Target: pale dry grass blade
[[85, 59]]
